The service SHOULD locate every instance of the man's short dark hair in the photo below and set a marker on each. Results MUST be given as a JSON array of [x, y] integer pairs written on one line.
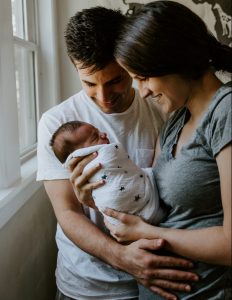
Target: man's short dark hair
[[90, 36]]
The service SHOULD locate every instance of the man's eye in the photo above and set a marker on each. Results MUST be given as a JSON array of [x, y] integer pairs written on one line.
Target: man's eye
[[89, 84], [116, 80]]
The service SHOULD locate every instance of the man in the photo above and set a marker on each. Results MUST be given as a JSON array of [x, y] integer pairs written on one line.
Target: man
[[90, 264]]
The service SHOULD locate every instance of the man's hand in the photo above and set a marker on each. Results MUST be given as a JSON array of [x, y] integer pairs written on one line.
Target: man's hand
[[158, 273], [80, 181]]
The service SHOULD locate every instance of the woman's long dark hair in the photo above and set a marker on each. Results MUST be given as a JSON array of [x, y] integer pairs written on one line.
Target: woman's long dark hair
[[166, 37]]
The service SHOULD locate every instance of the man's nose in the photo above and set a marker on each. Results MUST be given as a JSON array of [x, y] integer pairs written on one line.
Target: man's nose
[[103, 94]]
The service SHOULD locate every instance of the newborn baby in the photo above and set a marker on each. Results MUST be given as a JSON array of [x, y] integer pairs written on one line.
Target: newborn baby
[[127, 187]]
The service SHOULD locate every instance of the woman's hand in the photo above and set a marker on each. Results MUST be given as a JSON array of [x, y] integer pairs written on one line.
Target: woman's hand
[[131, 227], [80, 181]]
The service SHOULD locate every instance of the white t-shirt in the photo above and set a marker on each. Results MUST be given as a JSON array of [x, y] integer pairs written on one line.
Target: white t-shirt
[[78, 274]]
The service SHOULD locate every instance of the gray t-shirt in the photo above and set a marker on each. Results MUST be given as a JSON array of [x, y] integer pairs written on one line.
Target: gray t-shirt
[[189, 184]]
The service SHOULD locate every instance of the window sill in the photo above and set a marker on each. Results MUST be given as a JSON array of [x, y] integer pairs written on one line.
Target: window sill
[[13, 198]]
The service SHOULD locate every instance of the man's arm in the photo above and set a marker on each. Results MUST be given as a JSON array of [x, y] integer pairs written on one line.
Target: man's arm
[[74, 223], [134, 258]]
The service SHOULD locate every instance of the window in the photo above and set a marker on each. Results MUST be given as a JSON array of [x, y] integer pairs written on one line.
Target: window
[[27, 51], [25, 59], [29, 85]]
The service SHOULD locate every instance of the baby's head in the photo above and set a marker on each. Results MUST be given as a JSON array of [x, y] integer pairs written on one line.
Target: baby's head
[[74, 135]]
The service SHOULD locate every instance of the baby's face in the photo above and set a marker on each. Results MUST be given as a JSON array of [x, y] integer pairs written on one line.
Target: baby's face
[[88, 136]]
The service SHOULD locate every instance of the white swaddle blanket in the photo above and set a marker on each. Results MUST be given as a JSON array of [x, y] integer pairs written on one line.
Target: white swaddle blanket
[[128, 188]]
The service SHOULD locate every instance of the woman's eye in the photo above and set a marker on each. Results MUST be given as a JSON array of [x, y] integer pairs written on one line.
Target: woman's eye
[[142, 79], [156, 97]]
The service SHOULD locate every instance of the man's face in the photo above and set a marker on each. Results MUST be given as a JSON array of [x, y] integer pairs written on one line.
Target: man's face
[[110, 88]]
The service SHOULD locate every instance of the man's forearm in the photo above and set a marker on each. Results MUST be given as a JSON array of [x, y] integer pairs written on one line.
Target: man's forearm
[[87, 236], [76, 226]]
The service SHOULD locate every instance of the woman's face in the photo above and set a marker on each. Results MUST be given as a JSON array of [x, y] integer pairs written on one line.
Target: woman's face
[[170, 91]]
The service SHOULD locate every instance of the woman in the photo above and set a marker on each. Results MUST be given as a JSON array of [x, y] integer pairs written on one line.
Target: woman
[[169, 51]]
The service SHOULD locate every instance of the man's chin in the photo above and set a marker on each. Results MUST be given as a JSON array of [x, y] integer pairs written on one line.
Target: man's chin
[[109, 109]]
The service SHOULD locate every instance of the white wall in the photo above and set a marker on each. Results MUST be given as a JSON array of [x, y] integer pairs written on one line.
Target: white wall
[[28, 252]]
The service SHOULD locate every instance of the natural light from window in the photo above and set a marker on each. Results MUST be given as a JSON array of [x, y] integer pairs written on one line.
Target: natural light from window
[[25, 51]]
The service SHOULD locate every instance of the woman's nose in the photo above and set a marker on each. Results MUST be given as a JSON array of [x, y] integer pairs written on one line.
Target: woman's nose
[[144, 92]]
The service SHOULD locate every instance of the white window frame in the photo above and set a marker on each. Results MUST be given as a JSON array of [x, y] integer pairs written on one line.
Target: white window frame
[[31, 150], [17, 178]]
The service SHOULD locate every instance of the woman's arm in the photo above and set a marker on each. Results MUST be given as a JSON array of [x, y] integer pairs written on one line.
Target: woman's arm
[[212, 245]]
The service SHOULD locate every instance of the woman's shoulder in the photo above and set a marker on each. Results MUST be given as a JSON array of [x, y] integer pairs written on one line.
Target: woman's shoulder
[[222, 98], [220, 107], [218, 119]]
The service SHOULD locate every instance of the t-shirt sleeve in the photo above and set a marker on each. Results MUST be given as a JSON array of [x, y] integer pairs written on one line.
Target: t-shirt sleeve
[[49, 167], [220, 129]]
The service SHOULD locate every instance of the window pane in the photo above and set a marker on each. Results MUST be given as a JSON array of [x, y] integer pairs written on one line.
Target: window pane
[[31, 21], [24, 20], [18, 18], [26, 99]]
